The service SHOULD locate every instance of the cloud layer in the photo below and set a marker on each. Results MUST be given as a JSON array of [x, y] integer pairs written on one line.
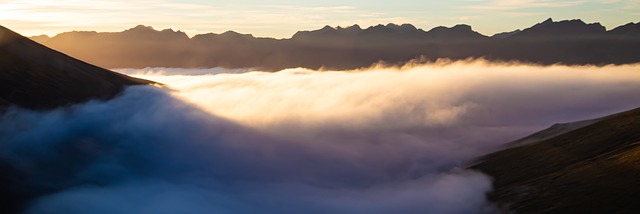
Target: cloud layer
[[384, 140]]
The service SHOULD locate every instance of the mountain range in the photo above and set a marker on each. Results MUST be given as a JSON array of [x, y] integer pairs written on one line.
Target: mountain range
[[571, 42]]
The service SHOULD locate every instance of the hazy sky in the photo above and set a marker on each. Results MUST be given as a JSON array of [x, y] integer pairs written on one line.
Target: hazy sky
[[279, 18]]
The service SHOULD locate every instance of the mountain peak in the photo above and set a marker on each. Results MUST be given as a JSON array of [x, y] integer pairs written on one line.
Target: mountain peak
[[355, 27], [392, 27], [406, 27], [565, 28], [148, 32], [456, 32], [459, 27], [349, 28], [141, 28], [462, 27], [327, 28], [230, 32], [145, 28], [234, 34]]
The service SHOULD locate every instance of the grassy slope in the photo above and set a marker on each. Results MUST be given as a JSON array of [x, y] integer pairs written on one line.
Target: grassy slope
[[594, 169]]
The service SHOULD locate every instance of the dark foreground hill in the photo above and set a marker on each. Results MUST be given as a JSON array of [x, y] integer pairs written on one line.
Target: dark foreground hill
[[592, 169], [34, 76], [571, 42]]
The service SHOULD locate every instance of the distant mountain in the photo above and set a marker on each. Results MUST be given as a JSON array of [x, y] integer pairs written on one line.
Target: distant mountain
[[458, 32], [586, 167], [34, 76], [564, 42], [506, 34], [570, 29], [631, 29]]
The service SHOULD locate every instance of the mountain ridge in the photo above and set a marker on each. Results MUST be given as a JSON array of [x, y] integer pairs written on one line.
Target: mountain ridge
[[570, 42], [563, 29], [354, 26], [36, 77]]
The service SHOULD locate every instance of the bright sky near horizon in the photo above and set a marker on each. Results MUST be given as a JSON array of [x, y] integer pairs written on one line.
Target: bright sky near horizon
[[281, 19]]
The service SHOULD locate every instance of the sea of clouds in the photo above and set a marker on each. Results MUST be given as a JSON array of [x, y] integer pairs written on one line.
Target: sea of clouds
[[376, 140]]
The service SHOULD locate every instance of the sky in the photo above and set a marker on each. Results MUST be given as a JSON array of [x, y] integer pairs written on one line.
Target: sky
[[281, 19]]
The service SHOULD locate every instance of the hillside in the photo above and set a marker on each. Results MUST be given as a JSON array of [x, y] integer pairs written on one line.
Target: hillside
[[593, 169], [34, 76]]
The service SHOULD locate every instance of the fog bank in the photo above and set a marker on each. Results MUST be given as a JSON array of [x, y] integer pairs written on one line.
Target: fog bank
[[383, 140]]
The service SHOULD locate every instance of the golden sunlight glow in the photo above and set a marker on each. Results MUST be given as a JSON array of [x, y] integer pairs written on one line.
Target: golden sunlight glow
[[435, 95]]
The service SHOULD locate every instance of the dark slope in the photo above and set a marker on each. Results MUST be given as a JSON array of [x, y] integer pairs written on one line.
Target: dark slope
[[593, 169], [629, 30], [34, 76], [553, 131], [571, 42], [502, 35]]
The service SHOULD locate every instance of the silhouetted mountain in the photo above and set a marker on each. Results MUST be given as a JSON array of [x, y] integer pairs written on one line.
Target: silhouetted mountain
[[148, 33], [631, 29], [458, 32], [34, 76], [389, 31], [570, 29], [505, 34], [565, 42], [587, 167]]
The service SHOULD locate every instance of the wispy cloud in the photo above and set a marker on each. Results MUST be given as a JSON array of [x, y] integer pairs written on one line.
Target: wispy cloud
[[283, 19], [192, 17], [520, 4]]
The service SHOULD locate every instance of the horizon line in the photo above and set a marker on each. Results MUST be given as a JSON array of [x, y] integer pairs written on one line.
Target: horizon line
[[190, 36]]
